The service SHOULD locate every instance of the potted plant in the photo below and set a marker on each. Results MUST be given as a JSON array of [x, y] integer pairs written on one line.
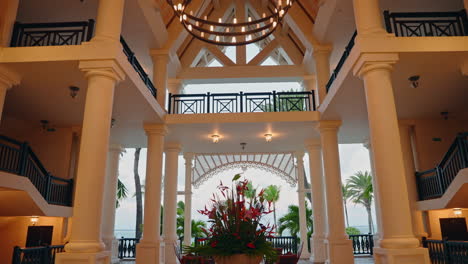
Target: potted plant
[[236, 234]]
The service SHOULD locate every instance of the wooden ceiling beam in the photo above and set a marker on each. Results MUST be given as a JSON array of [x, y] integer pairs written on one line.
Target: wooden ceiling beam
[[263, 55]]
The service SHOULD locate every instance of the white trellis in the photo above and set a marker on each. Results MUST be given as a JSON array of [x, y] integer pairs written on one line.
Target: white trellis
[[206, 165]]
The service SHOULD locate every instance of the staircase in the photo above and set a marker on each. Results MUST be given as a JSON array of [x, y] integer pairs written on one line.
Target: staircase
[[18, 158], [434, 183]]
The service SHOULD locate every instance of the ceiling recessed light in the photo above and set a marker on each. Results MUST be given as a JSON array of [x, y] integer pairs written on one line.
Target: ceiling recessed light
[[215, 138], [268, 137]]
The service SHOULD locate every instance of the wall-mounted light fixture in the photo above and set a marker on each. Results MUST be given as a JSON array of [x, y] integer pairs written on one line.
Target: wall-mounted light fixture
[[74, 91], [215, 138], [268, 137], [457, 211], [34, 220], [414, 81], [45, 124]]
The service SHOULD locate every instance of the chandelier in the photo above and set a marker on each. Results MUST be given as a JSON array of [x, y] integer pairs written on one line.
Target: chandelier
[[233, 33]]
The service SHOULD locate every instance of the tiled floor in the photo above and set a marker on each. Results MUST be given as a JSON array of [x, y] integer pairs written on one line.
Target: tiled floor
[[357, 260]]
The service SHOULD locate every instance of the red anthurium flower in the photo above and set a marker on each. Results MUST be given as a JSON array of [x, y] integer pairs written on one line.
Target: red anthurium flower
[[250, 245]]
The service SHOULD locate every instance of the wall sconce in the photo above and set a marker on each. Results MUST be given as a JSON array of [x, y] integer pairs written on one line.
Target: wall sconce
[[457, 211], [45, 124], [268, 137], [414, 81], [34, 220], [73, 91], [215, 138]]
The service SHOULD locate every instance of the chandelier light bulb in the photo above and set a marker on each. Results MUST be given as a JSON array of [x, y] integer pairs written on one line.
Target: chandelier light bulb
[[217, 38], [202, 34], [243, 29], [211, 28], [184, 17], [263, 15], [233, 39], [274, 24], [235, 20], [196, 23], [281, 12], [179, 7], [227, 30], [280, 3], [250, 19], [271, 20], [206, 17], [220, 20], [190, 27], [258, 25]]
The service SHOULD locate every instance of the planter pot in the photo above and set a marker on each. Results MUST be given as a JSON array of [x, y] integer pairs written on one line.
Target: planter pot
[[238, 259]]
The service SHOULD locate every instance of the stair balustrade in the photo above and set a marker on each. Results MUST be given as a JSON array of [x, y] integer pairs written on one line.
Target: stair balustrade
[[447, 252], [434, 182], [18, 158], [36, 255]]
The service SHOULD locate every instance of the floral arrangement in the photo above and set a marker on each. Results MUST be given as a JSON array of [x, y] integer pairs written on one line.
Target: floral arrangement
[[235, 224]]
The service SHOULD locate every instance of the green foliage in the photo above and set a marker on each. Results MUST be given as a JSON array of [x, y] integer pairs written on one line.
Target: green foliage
[[352, 231], [122, 193], [251, 191], [290, 221], [286, 103], [197, 225]]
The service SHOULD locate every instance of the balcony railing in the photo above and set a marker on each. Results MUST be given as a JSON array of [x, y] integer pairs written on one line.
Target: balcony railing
[[241, 102], [447, 252], [18, 158], [343, 58], [363, 244], [137, 66], [427, 24], [36, 255], [434, 182], [127, 248], [51, 34], [69, 33]]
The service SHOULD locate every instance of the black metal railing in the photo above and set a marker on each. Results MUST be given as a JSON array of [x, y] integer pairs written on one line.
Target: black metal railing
[[137, 66], [363, 244], [447, 252], [241, 102], [51, 34], [18, 158], [427, 24], [127, 248], [36, 255], [342, 60], [434, 182]]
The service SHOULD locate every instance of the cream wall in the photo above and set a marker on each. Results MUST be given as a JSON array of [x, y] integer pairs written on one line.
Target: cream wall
[[13, 231], [434, 224], [429, 152], [33, 11], [52, 148]]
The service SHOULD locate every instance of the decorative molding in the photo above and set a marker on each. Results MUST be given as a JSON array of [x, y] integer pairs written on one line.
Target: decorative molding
[[155, 129], [313, 143], [108, 68], [172, 147], [8, 77], [328, 126], [372, 61]]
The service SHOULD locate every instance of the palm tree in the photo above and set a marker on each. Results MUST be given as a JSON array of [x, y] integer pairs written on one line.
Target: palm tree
[[251, 191], [122, 193], [272, 194], [197, 225], [138, 195], [290, 221], [346, 197], [360, 185]]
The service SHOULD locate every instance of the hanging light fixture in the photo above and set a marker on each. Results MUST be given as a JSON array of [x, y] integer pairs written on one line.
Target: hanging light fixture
[[215, 138], [230, 34]]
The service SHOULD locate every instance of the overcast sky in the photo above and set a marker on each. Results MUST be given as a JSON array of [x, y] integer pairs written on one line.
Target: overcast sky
[[353, 157]]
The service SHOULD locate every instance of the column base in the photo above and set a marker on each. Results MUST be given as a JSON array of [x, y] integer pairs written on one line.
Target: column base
[[340, 251], [102, 257], [319, 250], [305, 254], [149, 253], [401, 256], [169, 252]]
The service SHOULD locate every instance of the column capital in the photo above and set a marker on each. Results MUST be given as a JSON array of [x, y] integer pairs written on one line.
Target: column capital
[[174, 85], [406, 123], [188, 156], [116, 148], [8, 77], [155, 129], [299, 156], [328, 126], [172, 147], [368, 62], [324, 49], [313, 143], [107, 68], [160, 54]]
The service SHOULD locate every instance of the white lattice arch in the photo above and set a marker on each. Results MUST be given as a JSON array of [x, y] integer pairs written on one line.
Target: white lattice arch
[[208, 165]]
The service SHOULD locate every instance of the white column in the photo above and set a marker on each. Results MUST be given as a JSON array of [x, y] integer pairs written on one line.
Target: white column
[[85, 241], [8, 10], [408, 160], [321, 56], [188, 199], [339, 247], [310, 84], [397, 244], [160, 61], [368, 17], [148, 250], [368, 146], [109, 20], [175, 86], [302, 204], [172, 151], [7, 80], [317, 241], [110, 197]]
